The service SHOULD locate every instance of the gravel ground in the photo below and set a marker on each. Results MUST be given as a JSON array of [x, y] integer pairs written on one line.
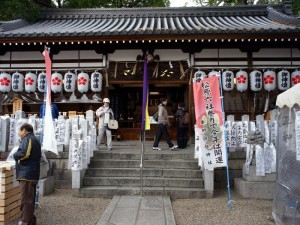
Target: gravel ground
[[64, 209]]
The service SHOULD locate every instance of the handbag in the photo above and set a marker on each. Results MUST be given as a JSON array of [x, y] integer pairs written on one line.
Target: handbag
[[113, 124]]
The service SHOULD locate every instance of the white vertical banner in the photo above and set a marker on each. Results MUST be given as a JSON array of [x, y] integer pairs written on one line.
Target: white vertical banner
[[268, 156], [267, 132], [76, 146], [260, 160], [239, 134], [60, 129], [12, 131], [233, 134], [274, 131], [245, 132], [297, 134]]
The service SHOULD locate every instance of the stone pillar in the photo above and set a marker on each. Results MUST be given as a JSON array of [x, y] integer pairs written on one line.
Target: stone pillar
[[4, 136]]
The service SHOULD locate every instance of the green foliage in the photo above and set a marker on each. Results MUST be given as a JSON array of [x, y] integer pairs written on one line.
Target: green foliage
[[111, 3], [19, 9], [296, 7]]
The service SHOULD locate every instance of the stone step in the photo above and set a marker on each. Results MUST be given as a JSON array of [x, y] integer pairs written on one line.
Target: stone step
[[156, 155], [147, 181], [110, 191], [132, 172], [112, 163]]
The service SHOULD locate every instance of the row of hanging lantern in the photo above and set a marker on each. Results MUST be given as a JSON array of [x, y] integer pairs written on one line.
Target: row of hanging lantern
[[33, 81], [258, 80]]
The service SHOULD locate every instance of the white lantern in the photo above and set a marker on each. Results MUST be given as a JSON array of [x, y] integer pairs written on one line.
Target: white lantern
[[228, 80], [69, 82], [213, 73], [295, 77], [241, 81], [199, 75], [56, 82], [17, 82], [283, 80], [269, 80], [255, 80], [96, 82], [83, 82], [41, 83], [30, 82], [5, 82]]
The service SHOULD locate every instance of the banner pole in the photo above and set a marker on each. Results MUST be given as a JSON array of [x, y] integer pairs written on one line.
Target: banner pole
[[229, 203]]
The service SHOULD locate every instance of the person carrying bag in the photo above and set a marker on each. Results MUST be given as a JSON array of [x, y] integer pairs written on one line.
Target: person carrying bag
[[105, 114]]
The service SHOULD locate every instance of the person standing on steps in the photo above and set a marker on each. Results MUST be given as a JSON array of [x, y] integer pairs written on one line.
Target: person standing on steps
[[27, 159], [163, 122], [182, 127], [105, 113]]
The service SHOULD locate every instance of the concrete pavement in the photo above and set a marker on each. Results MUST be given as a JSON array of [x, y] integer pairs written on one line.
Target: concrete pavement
[[137, 210]]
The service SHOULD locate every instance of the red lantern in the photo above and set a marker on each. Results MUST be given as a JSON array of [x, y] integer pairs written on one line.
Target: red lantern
[[295, 77], [283, 80], [56, 82], [269, 80], [83, 82], [30, 82], [241, 81], [5, 82]]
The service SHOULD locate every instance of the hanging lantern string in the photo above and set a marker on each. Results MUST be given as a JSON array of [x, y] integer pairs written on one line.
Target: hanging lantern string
[[245, 68]]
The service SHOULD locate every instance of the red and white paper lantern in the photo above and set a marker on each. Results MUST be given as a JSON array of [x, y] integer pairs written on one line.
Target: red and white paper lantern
[[295, 77], [283, 80], [96, 82], [255, 80], [199, 75], [213, 73], [5, 82], [228, 80], [269, 80], [69, 82], [17, 82], [83, 82], [41, 82], [30, 82], [241, 81], [56, 82]]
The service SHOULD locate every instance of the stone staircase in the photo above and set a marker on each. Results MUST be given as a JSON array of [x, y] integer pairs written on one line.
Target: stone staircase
[[172, 173]]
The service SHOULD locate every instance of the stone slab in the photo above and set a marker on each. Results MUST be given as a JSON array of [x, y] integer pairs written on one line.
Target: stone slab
[[138, 210], [270, 177], [254, 189], [46, 186]]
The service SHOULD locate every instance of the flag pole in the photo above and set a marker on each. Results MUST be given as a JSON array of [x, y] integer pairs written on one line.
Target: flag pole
[[229, 203]]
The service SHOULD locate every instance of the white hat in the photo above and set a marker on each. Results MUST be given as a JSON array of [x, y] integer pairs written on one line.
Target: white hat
[[106, 100]]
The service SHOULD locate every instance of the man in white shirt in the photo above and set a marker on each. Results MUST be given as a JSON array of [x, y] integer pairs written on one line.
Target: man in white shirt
[[105, 113]]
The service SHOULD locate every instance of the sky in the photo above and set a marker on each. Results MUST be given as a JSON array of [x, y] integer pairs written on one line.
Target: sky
[[178, 3]]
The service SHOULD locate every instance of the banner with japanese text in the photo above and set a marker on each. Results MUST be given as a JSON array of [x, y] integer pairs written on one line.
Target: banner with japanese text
[[208, 113]]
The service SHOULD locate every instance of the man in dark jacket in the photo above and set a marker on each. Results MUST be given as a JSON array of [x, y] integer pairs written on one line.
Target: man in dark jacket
[[28, 172], [182, 128]]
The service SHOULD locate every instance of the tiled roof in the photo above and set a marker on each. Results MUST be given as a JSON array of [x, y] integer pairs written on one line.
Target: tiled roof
[[155, 22]]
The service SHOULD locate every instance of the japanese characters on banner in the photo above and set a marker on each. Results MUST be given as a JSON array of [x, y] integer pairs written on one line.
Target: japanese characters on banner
[[297, 134], [30, 82], [76, 146], [209, 119], [17, 82], [12, 131], [198, 152]]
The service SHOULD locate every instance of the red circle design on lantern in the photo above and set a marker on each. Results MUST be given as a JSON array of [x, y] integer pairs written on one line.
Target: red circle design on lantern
[[29, 81], [81, 81], [56, 81], [296, 79], [269, 79], [241, 79], [4, 81]]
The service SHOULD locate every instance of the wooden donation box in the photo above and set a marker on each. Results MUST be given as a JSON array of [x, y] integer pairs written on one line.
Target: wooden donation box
[[71, 114], [10, 197], [17, 105]]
